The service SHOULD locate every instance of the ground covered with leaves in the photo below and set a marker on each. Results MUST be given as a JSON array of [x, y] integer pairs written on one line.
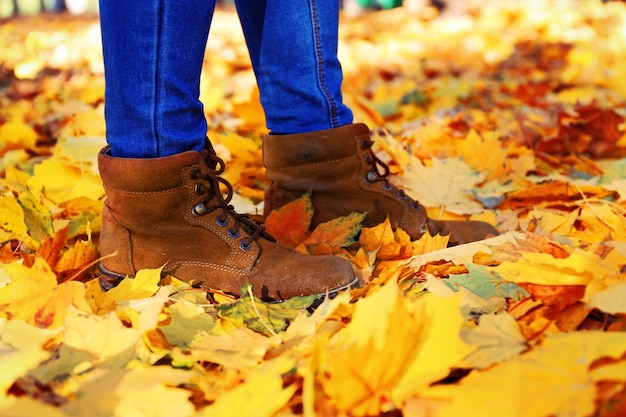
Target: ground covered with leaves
[[512, 113]]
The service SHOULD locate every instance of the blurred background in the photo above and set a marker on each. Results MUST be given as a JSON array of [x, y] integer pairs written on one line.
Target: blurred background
[[10, 8]]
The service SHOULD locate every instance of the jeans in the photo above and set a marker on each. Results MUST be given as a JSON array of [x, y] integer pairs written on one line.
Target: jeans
[[153, 54]]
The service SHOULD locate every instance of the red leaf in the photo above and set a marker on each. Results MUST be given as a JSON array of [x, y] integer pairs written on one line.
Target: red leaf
[[289, 224]]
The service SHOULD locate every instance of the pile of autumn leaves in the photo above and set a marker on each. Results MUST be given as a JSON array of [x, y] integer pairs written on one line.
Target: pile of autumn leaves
[[512, 114]]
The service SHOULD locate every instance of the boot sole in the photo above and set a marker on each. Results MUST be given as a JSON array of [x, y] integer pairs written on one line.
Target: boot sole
[[109, 280]]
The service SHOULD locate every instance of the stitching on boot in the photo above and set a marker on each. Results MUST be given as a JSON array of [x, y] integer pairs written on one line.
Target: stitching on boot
[[219, 267], [145, 192]]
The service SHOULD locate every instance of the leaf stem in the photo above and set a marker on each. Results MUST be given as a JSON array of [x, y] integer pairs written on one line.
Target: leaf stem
[[257, 311]]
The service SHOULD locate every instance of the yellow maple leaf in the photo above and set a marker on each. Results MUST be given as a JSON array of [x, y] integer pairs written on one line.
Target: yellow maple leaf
[[141, 391], [381, 240], [16, 135], [552, 379], [498, 337], [447, 185], [13, 224], [386, 328], [34, 295], [61, 181], [393, 346], [484, 153], [262, 394], [243, 349], [428, 243], [579, 268], [80, 150], [443, 348], [86, 122], [104, 338], [145, 284]]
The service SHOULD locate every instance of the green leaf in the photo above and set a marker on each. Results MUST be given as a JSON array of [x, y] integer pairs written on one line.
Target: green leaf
[[486, 283], [36, 216], [265, 318]]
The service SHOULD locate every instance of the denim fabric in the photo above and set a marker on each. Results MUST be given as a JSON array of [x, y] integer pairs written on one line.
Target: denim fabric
[[153, 53], [293, 49]]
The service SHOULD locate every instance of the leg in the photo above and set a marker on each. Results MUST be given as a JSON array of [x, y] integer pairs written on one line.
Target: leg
[[314, 145], [293, 49], [164, 207], [153, 52]]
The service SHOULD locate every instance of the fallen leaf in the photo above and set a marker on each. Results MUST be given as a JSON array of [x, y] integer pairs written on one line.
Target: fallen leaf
[[446, 184], [612, 300], [16, 363], [143, 391], [34, 295], [263, 394], [329, 236], [289, 224], [498, 338], [562, 383]]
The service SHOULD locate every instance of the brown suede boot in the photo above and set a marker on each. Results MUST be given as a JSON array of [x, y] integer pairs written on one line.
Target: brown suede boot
[[169, 212], [338, 165]]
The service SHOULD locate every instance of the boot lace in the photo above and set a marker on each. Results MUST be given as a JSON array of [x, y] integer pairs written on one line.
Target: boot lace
[[375, 176], [210, 168]]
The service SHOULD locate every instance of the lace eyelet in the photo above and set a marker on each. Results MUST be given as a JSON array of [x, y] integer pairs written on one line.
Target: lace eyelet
[[245, 246], [199, 189], [387, 186], [402, 195], [415, 205], [370, 177], [195, 174], [233, 233], [199, 209], [221, 221], [368, 158]]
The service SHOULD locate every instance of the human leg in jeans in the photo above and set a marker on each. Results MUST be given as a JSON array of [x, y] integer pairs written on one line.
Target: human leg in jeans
[[313, 144], [161, 175]]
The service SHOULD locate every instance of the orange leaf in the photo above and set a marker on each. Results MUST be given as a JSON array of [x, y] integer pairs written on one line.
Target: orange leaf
[[289, 224], [77, 257], [51, 247], [378, 237], [334, 234], [554, 192]]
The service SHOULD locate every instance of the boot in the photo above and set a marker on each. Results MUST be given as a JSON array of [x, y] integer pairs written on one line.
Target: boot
[[169, 212], [342, 171]]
